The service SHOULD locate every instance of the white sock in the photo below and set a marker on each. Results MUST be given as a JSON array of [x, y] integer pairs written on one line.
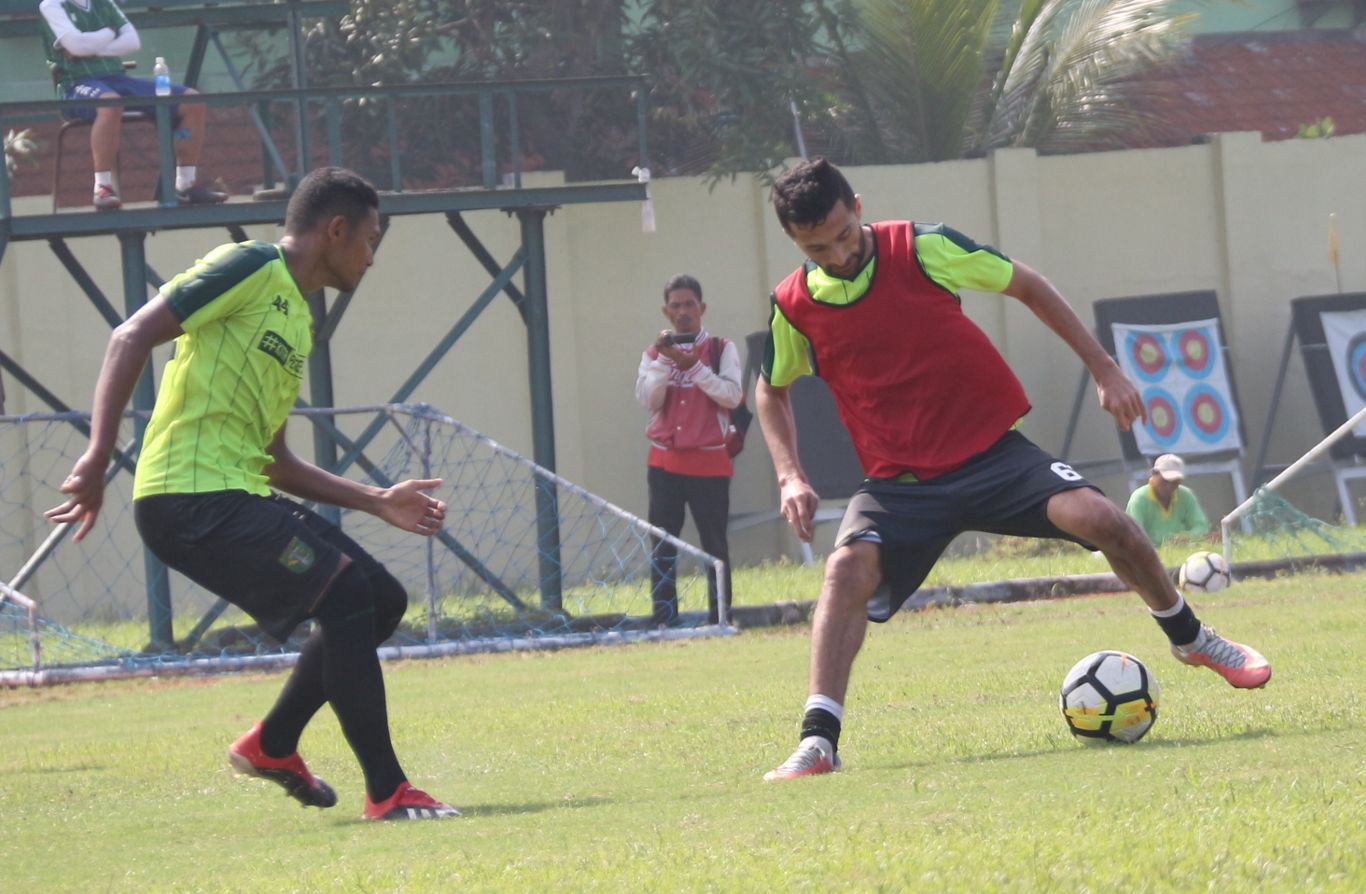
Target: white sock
[[184, 176], [1170, 612], [825, 703], [104, 178]]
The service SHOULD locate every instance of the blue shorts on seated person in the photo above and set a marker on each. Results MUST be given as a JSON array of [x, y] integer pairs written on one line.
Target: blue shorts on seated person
[[123, 85]]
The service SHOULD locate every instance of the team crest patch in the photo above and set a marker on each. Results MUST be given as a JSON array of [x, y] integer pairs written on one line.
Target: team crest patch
[[298, 556]]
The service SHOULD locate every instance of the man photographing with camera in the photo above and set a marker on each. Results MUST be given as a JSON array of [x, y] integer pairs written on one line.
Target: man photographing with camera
[[690, 382]]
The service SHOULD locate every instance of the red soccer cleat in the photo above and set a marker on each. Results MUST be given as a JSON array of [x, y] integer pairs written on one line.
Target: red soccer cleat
[[291, 773], [408, 803]]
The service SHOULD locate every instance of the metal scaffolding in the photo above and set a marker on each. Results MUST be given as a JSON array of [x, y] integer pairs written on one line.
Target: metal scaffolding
[[131, 226]]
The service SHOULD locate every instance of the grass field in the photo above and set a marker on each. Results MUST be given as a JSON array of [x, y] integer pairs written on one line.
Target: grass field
[[1006, 558], [638, 768]]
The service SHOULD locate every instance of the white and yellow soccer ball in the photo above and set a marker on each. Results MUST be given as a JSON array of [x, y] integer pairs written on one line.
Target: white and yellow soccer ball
[[1109, 697], [1204, 572]]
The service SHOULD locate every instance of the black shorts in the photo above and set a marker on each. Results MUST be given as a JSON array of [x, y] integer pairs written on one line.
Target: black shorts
[[269, 556], [1003, 490]]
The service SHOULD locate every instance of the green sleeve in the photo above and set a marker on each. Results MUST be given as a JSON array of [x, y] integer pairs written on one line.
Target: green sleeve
[[956, 262], [787, 353], [210, 289]]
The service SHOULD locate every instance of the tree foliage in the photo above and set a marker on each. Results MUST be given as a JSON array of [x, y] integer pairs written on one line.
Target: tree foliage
[[866, 80], [1067, 75]]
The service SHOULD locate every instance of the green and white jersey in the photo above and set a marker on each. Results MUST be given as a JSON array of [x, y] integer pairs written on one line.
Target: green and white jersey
[[235, 375], [83, 15]]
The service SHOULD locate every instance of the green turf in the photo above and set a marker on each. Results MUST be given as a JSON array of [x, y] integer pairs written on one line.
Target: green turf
[[1005, 558], [638, 768]]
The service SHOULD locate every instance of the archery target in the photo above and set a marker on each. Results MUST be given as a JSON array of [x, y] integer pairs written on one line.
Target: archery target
[[1345, 334], [1164, 417], [1183, 379], [1208, 414], [1194, 353], [1356, 364], [1149, 355]]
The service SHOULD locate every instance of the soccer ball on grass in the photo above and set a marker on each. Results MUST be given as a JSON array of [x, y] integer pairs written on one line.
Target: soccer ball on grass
[[1109, 697], [1203, 572]]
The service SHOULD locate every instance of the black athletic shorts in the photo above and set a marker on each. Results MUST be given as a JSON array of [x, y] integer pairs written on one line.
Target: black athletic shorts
[[269, 556], [1002, 490]]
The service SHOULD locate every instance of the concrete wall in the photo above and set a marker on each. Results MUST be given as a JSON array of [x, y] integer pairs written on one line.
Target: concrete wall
[[1245, 218]]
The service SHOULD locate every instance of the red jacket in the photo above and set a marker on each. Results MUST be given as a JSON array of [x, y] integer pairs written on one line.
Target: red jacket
[[690, 409]]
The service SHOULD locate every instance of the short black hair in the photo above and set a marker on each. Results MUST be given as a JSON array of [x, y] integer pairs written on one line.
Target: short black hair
[[806, 194], [326, 192], [682, 281]]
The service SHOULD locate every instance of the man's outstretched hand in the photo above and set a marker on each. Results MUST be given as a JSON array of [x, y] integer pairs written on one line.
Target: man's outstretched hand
[[84, 488]]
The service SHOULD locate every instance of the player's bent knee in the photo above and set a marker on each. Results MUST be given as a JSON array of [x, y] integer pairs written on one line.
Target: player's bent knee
[[349, 598], [852, 572], [391, 601]]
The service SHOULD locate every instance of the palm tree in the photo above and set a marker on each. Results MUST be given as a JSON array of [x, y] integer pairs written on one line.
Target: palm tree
[[1074, 79], [926, 85]]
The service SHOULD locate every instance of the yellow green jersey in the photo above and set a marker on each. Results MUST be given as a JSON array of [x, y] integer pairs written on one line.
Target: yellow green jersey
[[235, 374]]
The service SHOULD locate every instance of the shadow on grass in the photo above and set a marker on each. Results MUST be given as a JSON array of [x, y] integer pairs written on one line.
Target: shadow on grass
[[1099, 746], [60, 768], [533, 807]]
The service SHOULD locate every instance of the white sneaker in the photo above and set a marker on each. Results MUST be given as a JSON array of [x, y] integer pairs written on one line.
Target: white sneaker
[[106, 198], [814, 755]]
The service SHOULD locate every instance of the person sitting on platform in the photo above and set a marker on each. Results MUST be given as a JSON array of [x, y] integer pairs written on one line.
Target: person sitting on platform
[[1166, 508], [84, 40]]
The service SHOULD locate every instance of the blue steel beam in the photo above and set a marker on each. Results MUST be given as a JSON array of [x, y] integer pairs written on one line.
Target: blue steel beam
[[82, 279], [482, 255], [435, 356], [320, 374], [187, 217], [121, 460], [133, 249], [542, 407]]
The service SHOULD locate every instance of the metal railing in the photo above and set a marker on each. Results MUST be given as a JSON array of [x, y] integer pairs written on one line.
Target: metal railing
[[329, 104]]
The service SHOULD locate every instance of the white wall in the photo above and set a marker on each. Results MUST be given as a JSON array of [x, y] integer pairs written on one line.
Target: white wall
[[1245, 218]]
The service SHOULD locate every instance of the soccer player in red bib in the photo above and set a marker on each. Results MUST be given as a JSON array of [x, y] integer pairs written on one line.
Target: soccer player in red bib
[[932, 409]]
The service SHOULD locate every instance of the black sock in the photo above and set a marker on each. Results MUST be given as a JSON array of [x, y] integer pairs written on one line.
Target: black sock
[[353, 682], [1181, 628], [819, 722], [298, 702]]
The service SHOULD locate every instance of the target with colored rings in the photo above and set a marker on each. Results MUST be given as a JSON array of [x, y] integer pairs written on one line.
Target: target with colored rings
[[1356, 363], [1208, 414], [1149, 353], [1164, 419], [1195, 353]]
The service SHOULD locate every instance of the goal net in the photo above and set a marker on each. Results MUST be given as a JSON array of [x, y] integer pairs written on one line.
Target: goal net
[[1297, 519], [527, 559]]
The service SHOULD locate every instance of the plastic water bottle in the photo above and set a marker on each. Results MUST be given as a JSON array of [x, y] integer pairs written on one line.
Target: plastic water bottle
[[161, 76]]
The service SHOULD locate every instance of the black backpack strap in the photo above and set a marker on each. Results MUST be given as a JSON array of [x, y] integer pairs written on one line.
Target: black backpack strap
[[718, 345]]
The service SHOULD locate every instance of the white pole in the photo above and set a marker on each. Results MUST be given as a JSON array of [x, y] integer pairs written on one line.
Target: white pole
[[1313, 454]]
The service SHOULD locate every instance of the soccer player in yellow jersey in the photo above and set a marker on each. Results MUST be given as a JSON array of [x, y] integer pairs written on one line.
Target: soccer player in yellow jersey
[[214, 457]]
